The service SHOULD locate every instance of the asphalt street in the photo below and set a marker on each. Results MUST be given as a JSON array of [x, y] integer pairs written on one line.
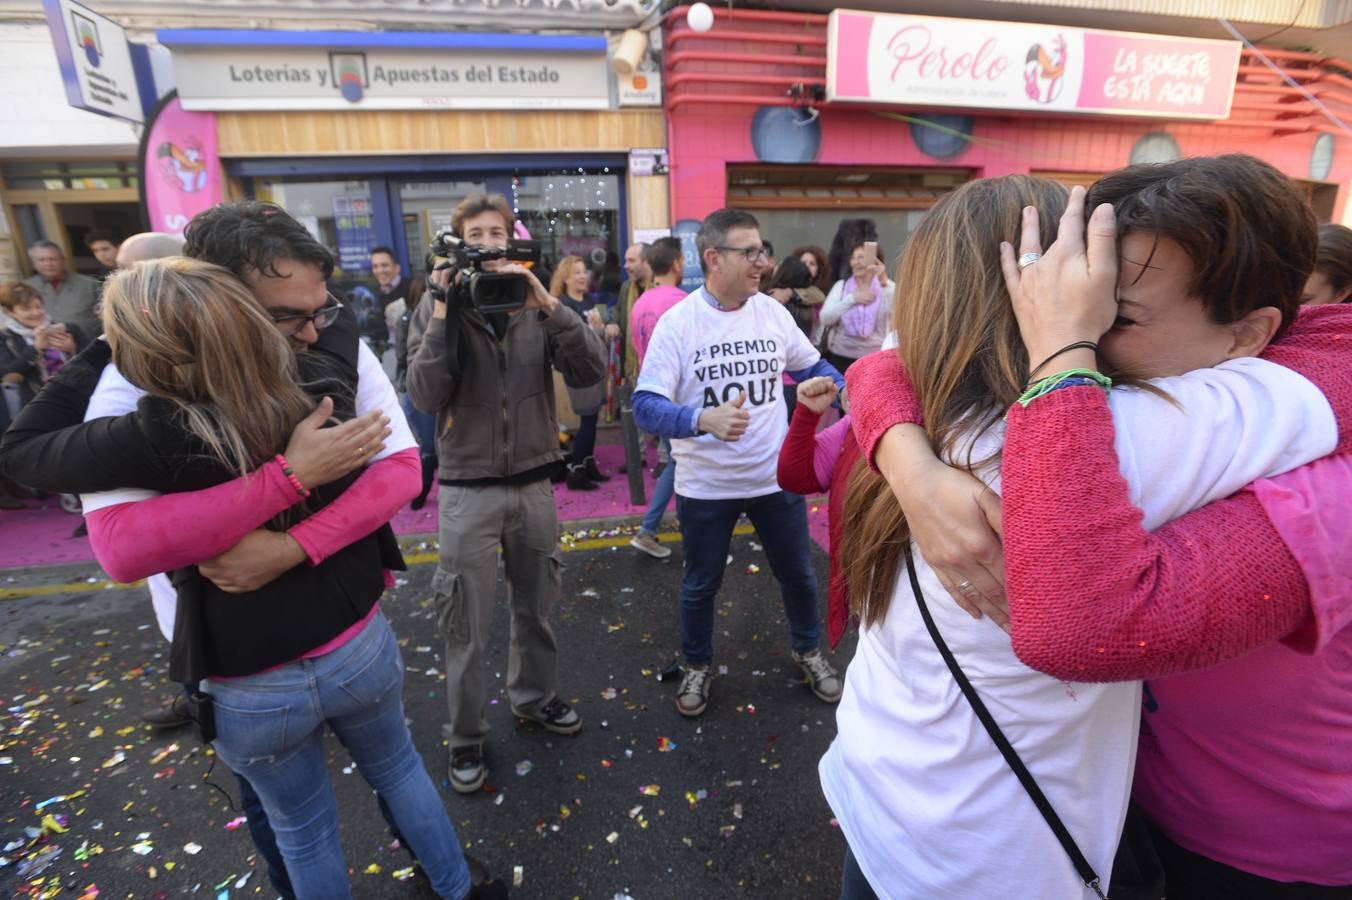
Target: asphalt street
[[642, 804]]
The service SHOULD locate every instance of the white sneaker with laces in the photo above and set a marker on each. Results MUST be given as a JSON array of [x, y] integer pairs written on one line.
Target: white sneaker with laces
[[825, 682]]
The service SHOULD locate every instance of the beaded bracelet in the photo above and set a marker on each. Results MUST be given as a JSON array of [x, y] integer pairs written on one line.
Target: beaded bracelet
[[291, 476], [1068, 378]]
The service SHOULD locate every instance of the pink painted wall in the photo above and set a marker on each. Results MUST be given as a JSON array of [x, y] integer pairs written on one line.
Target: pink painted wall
[[703, 141]]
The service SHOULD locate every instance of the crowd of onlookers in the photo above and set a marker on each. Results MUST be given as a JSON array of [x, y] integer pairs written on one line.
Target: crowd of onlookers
[[1088, 467]]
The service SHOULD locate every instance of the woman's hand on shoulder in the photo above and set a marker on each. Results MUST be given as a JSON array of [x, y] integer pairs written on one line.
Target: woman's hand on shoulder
[[319, 455]]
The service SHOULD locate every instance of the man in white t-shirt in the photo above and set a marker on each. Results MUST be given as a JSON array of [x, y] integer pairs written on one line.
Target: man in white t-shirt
[[712, 383]]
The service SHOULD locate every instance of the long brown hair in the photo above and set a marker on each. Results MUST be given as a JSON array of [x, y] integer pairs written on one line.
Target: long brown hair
[[192, 333], [823, 279], [960, 344]]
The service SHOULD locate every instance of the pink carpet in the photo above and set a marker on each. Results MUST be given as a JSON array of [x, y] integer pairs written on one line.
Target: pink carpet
[[42, 534]]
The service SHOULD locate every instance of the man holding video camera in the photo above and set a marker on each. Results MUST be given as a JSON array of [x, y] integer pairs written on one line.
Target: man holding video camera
[[481, 360]]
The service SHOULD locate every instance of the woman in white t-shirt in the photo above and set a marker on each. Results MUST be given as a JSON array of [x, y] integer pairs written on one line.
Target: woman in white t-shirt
[[858, 311], [927, 803]]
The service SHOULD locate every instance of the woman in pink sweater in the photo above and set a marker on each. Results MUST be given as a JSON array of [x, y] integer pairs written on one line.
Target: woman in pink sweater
[[1245, 769], [812, 461]]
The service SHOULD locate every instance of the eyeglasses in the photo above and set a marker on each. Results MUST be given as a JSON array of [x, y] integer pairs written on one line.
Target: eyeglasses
[[752, 254], [321, 318]]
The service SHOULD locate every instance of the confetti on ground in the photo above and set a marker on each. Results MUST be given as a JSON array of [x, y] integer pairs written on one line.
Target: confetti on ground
[[665, 745], [612, 837], [142, 848], [609, 694], [192, 848], [235, 823], [518, 875], [650, 790], [525, 767], [753, 569], [161, 754]]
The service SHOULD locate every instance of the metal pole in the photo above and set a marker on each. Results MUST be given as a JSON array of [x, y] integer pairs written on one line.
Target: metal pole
[[633, 458]]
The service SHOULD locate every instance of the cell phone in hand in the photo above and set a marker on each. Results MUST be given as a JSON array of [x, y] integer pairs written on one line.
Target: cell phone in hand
[[870, 253]]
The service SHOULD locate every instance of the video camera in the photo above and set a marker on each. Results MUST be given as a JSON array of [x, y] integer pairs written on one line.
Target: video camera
[[489, 292]]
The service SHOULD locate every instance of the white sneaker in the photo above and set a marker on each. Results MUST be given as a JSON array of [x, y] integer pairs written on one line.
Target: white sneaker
[[821, 676]]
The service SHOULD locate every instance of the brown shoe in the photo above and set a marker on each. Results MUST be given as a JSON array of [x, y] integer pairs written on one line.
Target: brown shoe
[[175, 715]]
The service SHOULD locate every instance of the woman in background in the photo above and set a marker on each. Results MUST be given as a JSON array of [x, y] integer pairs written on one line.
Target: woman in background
[[1331, 280], [570, 282]]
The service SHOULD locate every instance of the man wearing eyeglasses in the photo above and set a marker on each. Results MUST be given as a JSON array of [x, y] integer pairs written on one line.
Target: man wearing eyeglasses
[[711, 382]]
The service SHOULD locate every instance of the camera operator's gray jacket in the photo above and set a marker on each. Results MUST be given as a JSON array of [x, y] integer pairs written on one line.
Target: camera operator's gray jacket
[[497, 419]]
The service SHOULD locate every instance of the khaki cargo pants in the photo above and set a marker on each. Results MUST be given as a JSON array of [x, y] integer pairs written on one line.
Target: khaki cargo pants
[[474, 522]]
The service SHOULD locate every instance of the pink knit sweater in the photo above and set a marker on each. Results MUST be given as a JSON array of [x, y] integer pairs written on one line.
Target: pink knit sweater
[[1124, 603], [810, 462]]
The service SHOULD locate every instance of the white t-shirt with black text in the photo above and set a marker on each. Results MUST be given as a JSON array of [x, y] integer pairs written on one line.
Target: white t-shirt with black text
[[702, 356]]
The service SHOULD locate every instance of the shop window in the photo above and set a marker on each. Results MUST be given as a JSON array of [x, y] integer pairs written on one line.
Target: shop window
[[81, 176], [28, 222], [575, 212], [337, 213], [426, 207], [803, 205]]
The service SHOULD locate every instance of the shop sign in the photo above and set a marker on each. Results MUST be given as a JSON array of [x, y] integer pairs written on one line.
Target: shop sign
[[640, 88], [970, 63], [384, 70], [180, 166], [95, 61], [648, 161]]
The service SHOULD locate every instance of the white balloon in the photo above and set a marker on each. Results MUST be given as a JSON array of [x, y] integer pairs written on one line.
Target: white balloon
[[700, 17]]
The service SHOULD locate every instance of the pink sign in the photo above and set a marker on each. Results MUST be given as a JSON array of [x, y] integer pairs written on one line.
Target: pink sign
[[975, 64], [180, 166]]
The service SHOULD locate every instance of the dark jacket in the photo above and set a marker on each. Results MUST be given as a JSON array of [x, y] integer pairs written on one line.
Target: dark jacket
[[496, 421], [215, 633], [18, 357]]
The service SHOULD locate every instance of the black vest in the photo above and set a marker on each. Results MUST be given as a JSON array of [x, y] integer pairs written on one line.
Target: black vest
[[218, 633]]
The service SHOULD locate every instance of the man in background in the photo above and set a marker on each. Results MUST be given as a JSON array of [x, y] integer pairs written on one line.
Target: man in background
[[68, 296], [104, 248], [666, 261]]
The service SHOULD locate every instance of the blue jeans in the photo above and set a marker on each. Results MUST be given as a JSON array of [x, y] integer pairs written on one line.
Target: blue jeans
[[423, 426], [269, 729], [266, 842], [853, 884], [662, 494], [706, 531]]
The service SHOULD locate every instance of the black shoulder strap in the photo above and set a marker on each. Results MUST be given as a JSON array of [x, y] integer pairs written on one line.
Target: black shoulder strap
[[1044, 806]]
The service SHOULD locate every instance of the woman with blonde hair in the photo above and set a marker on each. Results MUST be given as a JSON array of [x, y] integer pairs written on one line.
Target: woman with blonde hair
[[570, 282], [276, 661], [913, 764]]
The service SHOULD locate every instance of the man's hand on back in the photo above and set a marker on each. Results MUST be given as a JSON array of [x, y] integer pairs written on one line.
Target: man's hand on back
[[260, 557]]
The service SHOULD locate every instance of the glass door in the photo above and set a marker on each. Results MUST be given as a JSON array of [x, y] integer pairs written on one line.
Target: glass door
[[575, 212]]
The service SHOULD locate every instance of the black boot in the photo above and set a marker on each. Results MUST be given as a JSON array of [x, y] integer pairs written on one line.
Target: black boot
[[577, 479], [592, 472], [429, 468], [9, 495]]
